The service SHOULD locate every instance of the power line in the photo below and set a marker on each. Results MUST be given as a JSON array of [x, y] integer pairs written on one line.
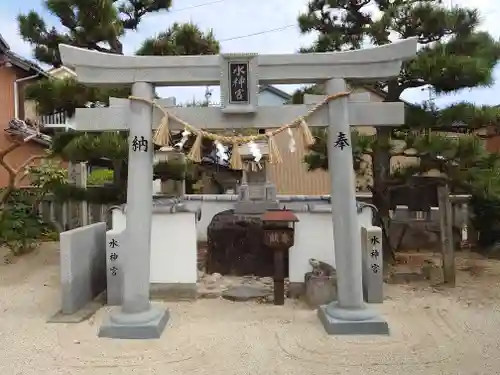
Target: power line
[[197, 6], [258, 33]]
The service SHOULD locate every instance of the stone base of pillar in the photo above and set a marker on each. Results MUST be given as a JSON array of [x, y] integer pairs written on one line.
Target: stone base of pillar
[[339, 321], [146, 325]]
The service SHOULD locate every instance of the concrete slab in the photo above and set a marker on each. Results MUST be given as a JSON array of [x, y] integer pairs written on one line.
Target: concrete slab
[[77, 317], [333, 326], [145, 325], [242, 293]]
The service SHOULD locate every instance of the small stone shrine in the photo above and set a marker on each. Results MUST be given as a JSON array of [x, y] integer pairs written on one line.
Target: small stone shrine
[[255, 194]]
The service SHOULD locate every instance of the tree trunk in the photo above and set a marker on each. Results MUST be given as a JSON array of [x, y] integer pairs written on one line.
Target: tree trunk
[[381, 167], [381, 164]]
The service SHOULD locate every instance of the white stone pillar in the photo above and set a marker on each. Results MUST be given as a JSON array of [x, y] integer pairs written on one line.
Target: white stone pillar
[[137, 319], [344, 211], [348, 315], [139, 202]]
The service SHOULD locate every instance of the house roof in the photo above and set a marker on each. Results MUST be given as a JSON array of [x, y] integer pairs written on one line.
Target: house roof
[[55, 71], [3, 44], [282, 94], [19, 61]]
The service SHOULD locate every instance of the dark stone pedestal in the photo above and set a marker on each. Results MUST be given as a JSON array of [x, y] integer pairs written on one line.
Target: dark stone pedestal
[[236, 246]]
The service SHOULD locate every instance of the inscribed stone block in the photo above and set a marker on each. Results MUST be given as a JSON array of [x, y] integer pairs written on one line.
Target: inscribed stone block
[[114, 255], [373, 276]]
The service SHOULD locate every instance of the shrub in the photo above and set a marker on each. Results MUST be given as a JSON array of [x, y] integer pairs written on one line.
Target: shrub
[[21, 228]]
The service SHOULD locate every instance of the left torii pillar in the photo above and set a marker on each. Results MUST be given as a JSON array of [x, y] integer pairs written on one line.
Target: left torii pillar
[[137, 319]]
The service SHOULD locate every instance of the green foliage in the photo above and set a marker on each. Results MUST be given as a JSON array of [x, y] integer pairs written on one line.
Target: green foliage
[[317, 158], [67, 94], [47, 176], [86, 23], [454, 54], [106, 194], [91, 146], [298, 95], [100, 177], [181, 40], [170, 171], [486, 219], [21, 228]]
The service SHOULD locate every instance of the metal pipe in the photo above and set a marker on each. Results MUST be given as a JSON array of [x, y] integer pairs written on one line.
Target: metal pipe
[[16, 92]]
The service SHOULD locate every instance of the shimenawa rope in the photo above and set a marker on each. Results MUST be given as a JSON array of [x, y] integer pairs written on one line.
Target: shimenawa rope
[[162, 137]]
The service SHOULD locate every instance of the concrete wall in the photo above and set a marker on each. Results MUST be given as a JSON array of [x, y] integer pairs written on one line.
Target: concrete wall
[[314, 239], [83, 266], [210, 205], [173, 252], [174, 236]]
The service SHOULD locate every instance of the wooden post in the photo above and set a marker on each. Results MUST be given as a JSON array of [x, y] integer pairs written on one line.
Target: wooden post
[[446, 226], [279, 276]]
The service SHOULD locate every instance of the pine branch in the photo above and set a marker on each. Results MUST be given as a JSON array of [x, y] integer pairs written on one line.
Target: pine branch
[[132, 11], [180, 40]]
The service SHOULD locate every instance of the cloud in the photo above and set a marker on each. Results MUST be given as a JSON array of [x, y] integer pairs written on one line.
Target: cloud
[[232, 19]]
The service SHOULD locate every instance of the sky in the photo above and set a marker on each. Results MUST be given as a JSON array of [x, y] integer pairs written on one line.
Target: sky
[[243, 26]]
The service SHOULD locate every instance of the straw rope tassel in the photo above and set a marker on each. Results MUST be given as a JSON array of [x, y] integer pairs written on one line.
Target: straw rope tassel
[[274, 152], [195, 153], [162, 133], [235, 161], [306, 133]]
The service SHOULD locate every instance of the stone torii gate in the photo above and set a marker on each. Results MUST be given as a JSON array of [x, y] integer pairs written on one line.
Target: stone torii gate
[[137, 318]]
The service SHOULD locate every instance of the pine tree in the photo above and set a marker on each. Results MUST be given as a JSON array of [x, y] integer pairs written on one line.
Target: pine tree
[[453, 55], [99, 25]]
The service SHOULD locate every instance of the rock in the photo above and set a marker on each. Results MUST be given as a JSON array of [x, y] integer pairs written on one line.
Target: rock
[[320, 290], [212, 279], [266, 299], [210, 286], [236, 246], [433, 273], [266, 280], [243, 293], [208, 294], [249, 279], [201, 274]]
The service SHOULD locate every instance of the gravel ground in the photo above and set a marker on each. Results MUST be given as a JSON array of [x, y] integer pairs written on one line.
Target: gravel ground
[[432, 332]]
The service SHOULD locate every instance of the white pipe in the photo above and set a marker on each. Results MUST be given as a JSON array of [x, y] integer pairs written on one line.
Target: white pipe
[[16, 93]]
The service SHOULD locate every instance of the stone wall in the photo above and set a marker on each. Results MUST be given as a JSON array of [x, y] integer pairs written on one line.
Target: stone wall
[[83, 266]]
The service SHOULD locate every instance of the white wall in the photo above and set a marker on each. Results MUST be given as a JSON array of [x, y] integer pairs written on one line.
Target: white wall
[[174, 240], [173, 246], [314, 239]]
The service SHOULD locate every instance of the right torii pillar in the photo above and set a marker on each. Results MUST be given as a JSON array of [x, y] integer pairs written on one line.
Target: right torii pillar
[[349, 314]]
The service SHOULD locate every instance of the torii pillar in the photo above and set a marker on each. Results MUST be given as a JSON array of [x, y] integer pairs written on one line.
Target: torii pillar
[[349, 315]]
